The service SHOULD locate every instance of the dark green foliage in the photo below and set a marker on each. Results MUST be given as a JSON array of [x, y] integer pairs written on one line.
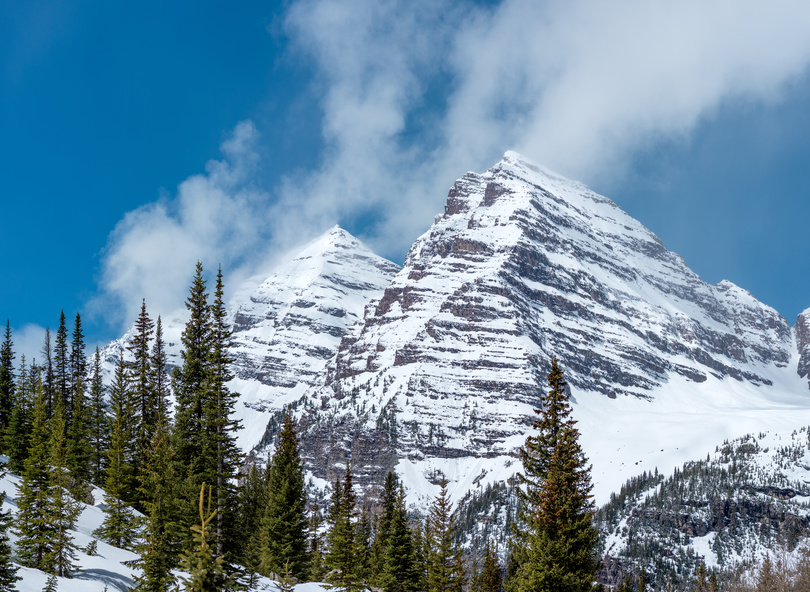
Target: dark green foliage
[[285, 520], [252, 507], [388, 502], [32, 523], [140, 378], [119, 527], [79, 446], [77, 364], [342, 537], [99, 426], [52, 585], [7, 386], [445, 569], [206, 571], [317, 565], [158, 490], [63, 509], [18, 435], [401, 566], [47, 374], [220, 427], [61, 364], [554, 547], [159, 381]]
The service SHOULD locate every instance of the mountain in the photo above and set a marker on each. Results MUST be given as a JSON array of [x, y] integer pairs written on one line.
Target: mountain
[[287, 326], [443, 373]]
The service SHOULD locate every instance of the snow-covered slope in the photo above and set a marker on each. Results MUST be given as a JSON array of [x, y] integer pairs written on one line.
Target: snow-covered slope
[[443, 373]]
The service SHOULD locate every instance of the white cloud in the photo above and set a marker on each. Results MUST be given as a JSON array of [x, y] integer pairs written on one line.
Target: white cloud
[[28, 341], [414, 93], [218, 218]]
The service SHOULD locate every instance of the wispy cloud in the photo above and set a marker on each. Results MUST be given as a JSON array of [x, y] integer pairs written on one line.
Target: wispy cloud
[[414, 93]]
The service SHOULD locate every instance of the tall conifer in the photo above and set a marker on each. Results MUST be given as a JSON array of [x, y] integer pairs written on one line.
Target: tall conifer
[[285, 520], [18, 435], [61, 365], [99, 423], [445, 570], [342, 536], [556, 542], [7, 385], [77, 364], [140, 372], [400, 571]]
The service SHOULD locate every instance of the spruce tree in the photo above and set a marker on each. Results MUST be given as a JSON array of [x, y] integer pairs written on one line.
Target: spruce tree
[[79, 449], [554, 546], [63, 509], [285, 520], [252, 507], [220, 426], [388, 501], [118, 527], [400, 571], [191, 382], [61, 365], [7, 385], [140, 372], [99, 439], [159, 385], [445, 570], [342, 536], [161, 537], [316, 567], [48, 382], [32, 524], [77, 363], [18, 435]]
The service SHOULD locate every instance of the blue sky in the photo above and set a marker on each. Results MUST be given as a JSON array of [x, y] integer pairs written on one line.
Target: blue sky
[[136, 141]]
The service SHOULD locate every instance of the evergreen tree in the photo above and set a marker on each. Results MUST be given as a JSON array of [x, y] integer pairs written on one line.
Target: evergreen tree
[[99, 439], [285, 520], [316, 568], [191, 382], [400, 572], [221, 427], [252, 506], [159, 385], [32, 524], [17, 436], [445, 570], [388, 501], [364, 540], [140, 372], [63, 509], [8, 571], [342, 536], [490, 579], [77, 364], [7, 385], [161, 543], [48, 382], [61, 365], [79, 450], [554, 546], [118, 527]]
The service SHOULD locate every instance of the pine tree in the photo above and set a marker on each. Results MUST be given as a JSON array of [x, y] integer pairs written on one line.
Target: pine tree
[[159, 385], [118, 527], [79, 449], [490, 579], [400, 571], [445, 570], [32, 523], [285, 520], [99, 439], [316, 568], [191, 382], [554, 546], [8, 571], [63, 509], [140, 372], [221, 427], [77, 363], [7, 385], [342, 536], [252, 507], [48, 382], [61, 367], [17, 436], [388, 501], [158, 490]]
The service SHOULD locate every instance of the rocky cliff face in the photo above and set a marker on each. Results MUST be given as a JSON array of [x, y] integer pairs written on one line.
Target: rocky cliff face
[[444, 371], [802, 329]]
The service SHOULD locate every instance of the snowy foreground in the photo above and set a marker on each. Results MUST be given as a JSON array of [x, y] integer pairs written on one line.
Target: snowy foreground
[[107, 568]]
